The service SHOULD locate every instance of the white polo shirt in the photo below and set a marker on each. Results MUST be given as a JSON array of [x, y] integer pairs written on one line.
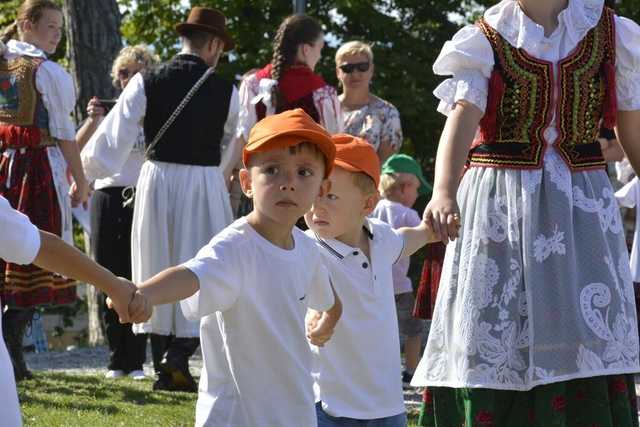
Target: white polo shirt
[[20, 244], [260, 294], [357, 372]]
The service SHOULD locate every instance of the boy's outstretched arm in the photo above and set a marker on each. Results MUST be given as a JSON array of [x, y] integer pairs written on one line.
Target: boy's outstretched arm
[[416, 237], [56, 255], [168, 286], [320, 325]]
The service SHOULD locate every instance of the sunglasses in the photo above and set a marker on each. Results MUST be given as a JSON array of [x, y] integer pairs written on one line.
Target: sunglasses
[[350, 68]]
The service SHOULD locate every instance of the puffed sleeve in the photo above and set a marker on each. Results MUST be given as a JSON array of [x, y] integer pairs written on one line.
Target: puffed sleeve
[[109, 147], [231, 124], [327, 103], [627, 64], [59, 98], [247, 116], [468, 57]]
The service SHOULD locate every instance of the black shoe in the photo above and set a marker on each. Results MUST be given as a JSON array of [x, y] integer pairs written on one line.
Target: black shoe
[[163, 383], [406, 379], [179, 377]]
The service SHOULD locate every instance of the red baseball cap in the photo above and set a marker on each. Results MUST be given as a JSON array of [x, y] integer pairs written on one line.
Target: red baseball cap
[[287, 129], [357, 155]]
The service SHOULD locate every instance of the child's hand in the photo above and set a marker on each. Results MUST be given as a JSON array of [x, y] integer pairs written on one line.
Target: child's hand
[[119, 299], [442, 217], [139, 308], [318, 331]]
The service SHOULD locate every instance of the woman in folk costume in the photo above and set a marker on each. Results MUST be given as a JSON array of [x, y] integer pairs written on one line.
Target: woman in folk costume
[[37, 145], [287, 82], [535, 321]]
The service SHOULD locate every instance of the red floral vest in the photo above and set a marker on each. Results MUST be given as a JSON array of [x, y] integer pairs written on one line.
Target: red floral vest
[[24, 122], [520, 105]]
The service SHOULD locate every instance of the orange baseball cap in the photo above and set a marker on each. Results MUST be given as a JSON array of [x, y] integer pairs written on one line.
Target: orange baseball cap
[[287, 129], [357, 155]]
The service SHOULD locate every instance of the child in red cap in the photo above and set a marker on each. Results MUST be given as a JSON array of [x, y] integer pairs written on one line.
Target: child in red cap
[[258, 276], [358, 372]]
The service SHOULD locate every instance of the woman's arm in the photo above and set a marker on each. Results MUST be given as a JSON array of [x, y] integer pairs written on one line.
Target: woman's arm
[[453, 150], [96, 113], [628, 133], [80, 188]]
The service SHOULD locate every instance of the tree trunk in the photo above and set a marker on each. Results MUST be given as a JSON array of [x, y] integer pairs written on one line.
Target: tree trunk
[[93, 34]]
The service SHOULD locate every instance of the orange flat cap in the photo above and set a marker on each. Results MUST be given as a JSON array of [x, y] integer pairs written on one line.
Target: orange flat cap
[[356, 155], [287, 129]]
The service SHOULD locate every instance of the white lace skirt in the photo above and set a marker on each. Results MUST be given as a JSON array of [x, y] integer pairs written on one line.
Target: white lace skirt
[[537, 289], [178, 209]]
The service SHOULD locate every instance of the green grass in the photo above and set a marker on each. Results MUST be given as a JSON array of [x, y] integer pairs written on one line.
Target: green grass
[[55, 399], [61, 400]]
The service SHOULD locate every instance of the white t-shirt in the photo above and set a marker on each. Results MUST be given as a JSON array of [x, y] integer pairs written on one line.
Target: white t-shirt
[[629, 196], [357, 372], [260, 294], [20, 244], [398, 215]]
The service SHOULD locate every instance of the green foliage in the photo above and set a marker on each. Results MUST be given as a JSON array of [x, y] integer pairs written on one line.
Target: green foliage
[[407, 36]]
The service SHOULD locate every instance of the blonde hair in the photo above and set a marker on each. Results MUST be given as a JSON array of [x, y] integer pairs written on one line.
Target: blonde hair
[[364, 183], [354, 48], [389, 182], [29, 10], [139, 54]]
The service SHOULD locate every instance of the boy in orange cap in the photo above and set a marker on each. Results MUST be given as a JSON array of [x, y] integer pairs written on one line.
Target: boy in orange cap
[[258, 276], [358, 371]]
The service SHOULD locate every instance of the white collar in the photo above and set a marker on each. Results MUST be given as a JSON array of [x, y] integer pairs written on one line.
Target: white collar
[[341, 250], [17, 47], [520, 31]]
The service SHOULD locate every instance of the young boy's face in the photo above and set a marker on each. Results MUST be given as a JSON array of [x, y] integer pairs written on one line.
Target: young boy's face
[[409, 190], [342, 208], [284, 182]]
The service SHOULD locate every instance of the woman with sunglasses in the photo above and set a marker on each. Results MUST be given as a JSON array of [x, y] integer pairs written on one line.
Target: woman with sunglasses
[[364, 114], [111, 217]]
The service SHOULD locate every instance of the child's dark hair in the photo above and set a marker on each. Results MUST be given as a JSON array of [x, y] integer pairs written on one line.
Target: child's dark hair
[[29, 10], [294, 31]]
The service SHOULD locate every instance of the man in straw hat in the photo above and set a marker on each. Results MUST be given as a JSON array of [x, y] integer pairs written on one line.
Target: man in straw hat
[[181, 200]]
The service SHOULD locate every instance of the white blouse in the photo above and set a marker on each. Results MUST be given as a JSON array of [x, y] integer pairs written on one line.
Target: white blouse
[[112, 143], [55, 86], [468, 57], [253, 91]]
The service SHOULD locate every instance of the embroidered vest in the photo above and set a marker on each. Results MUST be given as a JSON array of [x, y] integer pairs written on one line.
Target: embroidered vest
[[24, 122], [194, 137], [521, 106]]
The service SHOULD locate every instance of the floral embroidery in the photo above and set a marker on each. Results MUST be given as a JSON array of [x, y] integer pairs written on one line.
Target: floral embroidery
[[484, 418], [543, 247], [558, 403]]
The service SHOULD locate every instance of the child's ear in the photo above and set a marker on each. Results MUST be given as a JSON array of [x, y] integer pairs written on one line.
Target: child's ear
[[245, 182], [370, 203], [325, 187]]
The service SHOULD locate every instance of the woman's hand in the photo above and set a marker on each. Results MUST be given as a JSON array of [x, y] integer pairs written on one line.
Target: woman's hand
[[95, 110], [79, 193], [443, 216]]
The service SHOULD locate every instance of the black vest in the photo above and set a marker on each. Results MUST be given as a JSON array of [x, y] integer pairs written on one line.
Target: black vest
[[194, 137]]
